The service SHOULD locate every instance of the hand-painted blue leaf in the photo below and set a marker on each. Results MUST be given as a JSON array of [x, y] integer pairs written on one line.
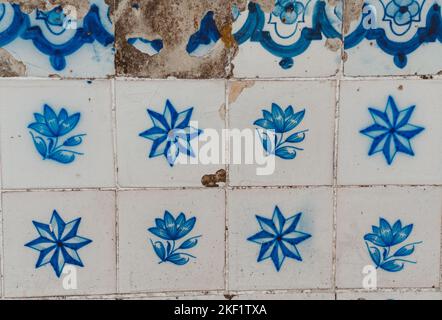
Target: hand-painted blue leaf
[[159, 249], [286, 152], [296, 137], [278, 117], [51, 119], [62, 156], [293, 121], [392, 265], [268, 141], [40, 145], [189, 243], [73, 141], [375, 255], [404, 251], [178, 259]]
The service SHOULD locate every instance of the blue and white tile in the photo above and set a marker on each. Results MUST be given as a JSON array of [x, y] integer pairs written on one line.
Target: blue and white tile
[[280, 238], [56, 134], [388, 237], [151, 155], [394, 37], [171, 240], [69, 256], [406, 148], [298, 38], [300, 149], [58, 41]]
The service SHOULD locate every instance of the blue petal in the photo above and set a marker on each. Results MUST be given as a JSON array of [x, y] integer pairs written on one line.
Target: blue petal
[[58, 262], [70, 230], [40, 244], [44, 230], [45, 256], [380, 118], [71, 257], [158, 120], [389, 149], [183, 119], [172, 152], [268, 141], [402, 235], [277, 256], [267, 115], [170, 224], [378, 143], [296, 237], [263, 123], [41, 128], [267, 225], [392, 265], [186, 228], [69, 124], [278, 117], [160, 223], [51, 119], [170, 114], [392, 112], [375, 255], [375, 131], [375, 239], [296, 137], [404, 251], [39, 118], [290, 250], [189, 243], [57, 225], [74, 141], [63, 115], [408, 131], [266, 250], [294, 120], [278, 220], [404, 116], [159, 249], [159, 233], [262, 237], [385, 231], [40, 145], [76, 242], [291, 224]]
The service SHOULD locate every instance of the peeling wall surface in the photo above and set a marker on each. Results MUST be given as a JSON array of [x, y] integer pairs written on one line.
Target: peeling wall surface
[[229, 150]]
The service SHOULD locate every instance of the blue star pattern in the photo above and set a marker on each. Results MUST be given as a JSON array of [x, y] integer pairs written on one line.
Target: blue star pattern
[[279, 238], [47, 130], [391, 131], [58, 243], [171, 133], [274, 125], [385, 238], [171, 230]]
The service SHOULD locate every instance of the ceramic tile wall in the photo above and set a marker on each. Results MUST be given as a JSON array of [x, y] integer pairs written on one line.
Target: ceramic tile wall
[[119, 178]]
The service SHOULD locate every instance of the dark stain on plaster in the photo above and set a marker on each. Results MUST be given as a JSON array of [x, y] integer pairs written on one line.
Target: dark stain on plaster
[[212, 180]]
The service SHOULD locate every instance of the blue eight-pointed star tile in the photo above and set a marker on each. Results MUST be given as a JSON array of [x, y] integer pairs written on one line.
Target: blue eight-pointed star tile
[[391, 131], [58, 243]]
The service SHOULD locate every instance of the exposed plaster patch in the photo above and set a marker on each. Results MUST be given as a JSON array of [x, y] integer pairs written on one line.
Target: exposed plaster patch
[[9, 66], [333, 44], [212, 180], [222, 111], [352, 12], [237, 87]]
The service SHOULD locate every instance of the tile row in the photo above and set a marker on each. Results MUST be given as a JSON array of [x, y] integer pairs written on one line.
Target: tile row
[[181, 38], [61, 134], [74, 242]]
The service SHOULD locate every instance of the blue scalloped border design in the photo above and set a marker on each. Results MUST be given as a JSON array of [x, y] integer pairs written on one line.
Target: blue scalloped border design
[[91, 31], [399, 50]]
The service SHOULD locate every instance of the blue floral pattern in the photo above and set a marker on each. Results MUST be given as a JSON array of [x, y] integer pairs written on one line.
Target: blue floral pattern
[[382, 245], [58, 243], [171, 133], [171, 230], [279, 238], [288, 11], [391, 131], [47, 131], [402, 13], [274, 125]]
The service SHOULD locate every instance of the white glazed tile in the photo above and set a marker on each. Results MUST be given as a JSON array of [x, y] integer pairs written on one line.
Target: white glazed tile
[[24, 167], [356, 167], [391, 46], [314, 164], [133, 98], [361, 208], [314, 271], [268, 47], [390, 295], [139, 267], [82, 47], [97, 212]]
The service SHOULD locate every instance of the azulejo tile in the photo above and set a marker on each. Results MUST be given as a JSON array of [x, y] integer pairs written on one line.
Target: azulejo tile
[[56, 134], [162, 128], [393, 37], [59, 41], [290, 124], [171, 240], [392, 241], [389, 132], [59, 243], [280, 239], [296, 38]]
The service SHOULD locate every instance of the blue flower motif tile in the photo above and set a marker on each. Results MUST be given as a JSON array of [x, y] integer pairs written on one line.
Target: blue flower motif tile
[[296, 38], [388, 237], [171, 240], [58, 243], [391, 131], [49, 129], [277, 123], [171, 133], [172, 230], [386, 248], [57, 41], [279, 238], [394, 37]]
